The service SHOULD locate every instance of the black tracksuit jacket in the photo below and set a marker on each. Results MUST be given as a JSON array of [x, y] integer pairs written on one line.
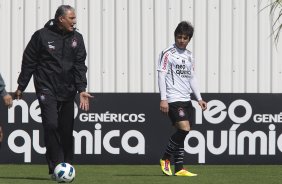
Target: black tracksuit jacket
[[56, 60]]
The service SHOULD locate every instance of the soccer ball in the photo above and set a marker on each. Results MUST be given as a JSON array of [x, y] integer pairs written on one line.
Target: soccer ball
[[64, 173]]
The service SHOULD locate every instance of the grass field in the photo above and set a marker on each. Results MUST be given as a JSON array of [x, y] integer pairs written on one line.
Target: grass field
[[146, 174]]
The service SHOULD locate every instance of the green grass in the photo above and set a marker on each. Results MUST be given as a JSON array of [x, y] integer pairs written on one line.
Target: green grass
[[146, 174]]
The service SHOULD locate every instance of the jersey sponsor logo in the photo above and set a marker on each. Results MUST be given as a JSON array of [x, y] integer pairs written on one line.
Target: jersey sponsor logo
[[183, 71], [165, 61]]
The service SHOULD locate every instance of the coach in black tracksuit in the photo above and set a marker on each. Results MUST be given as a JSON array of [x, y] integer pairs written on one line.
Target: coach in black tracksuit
[[55, 56]]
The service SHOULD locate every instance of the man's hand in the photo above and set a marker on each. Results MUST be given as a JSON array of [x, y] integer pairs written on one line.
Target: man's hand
[[18, 94], [164, 107], [8, 100], [203, 104], [84, 100]]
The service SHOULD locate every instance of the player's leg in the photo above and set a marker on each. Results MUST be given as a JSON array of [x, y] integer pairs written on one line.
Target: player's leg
[[174, 141], [66, 123], [48, 105], [172, 145], [175, 147], [179, 154], [184, 126], [178, 158]]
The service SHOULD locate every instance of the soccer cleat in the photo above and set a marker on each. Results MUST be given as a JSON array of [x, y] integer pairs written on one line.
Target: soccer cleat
[[165, 166], [184, 172]]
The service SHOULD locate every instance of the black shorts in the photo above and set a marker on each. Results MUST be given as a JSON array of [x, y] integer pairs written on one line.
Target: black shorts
[[181, 111]]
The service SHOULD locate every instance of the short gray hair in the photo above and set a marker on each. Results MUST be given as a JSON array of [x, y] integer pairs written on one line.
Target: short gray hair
[[61, 11]]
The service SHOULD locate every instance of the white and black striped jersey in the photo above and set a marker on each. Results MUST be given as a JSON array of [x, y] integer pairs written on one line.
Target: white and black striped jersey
[[177, 75]]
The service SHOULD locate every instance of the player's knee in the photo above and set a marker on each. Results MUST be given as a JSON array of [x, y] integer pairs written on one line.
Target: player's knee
[[183, 125], [185, 128]]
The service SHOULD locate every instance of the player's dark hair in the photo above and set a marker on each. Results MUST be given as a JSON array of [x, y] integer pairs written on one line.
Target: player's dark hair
[[184, 28], [61, 11]]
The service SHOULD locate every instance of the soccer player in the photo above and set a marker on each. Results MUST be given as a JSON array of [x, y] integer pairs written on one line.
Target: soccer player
[[55, 56], [8, 100], [177, 80]]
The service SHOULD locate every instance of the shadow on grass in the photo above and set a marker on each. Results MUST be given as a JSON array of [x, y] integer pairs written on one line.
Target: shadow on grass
[[23, 178]]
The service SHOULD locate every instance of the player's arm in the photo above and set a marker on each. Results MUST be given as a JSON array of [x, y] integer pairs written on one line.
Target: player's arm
[[162, 87], [8, 100], [162, 72], [195, 88], [80, 70], [2, 87], [29, 63]]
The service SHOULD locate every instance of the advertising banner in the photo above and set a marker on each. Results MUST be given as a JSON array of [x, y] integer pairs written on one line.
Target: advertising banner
[[128, 128]]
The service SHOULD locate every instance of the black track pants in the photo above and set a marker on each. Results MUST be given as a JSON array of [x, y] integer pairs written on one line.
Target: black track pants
[[57, 120]]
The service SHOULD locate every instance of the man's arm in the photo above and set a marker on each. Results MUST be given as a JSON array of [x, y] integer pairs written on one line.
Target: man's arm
[[80, 68], [163, 65], [162, 88], [8, 100], [2, 87], [29, 61], [195, 88]]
